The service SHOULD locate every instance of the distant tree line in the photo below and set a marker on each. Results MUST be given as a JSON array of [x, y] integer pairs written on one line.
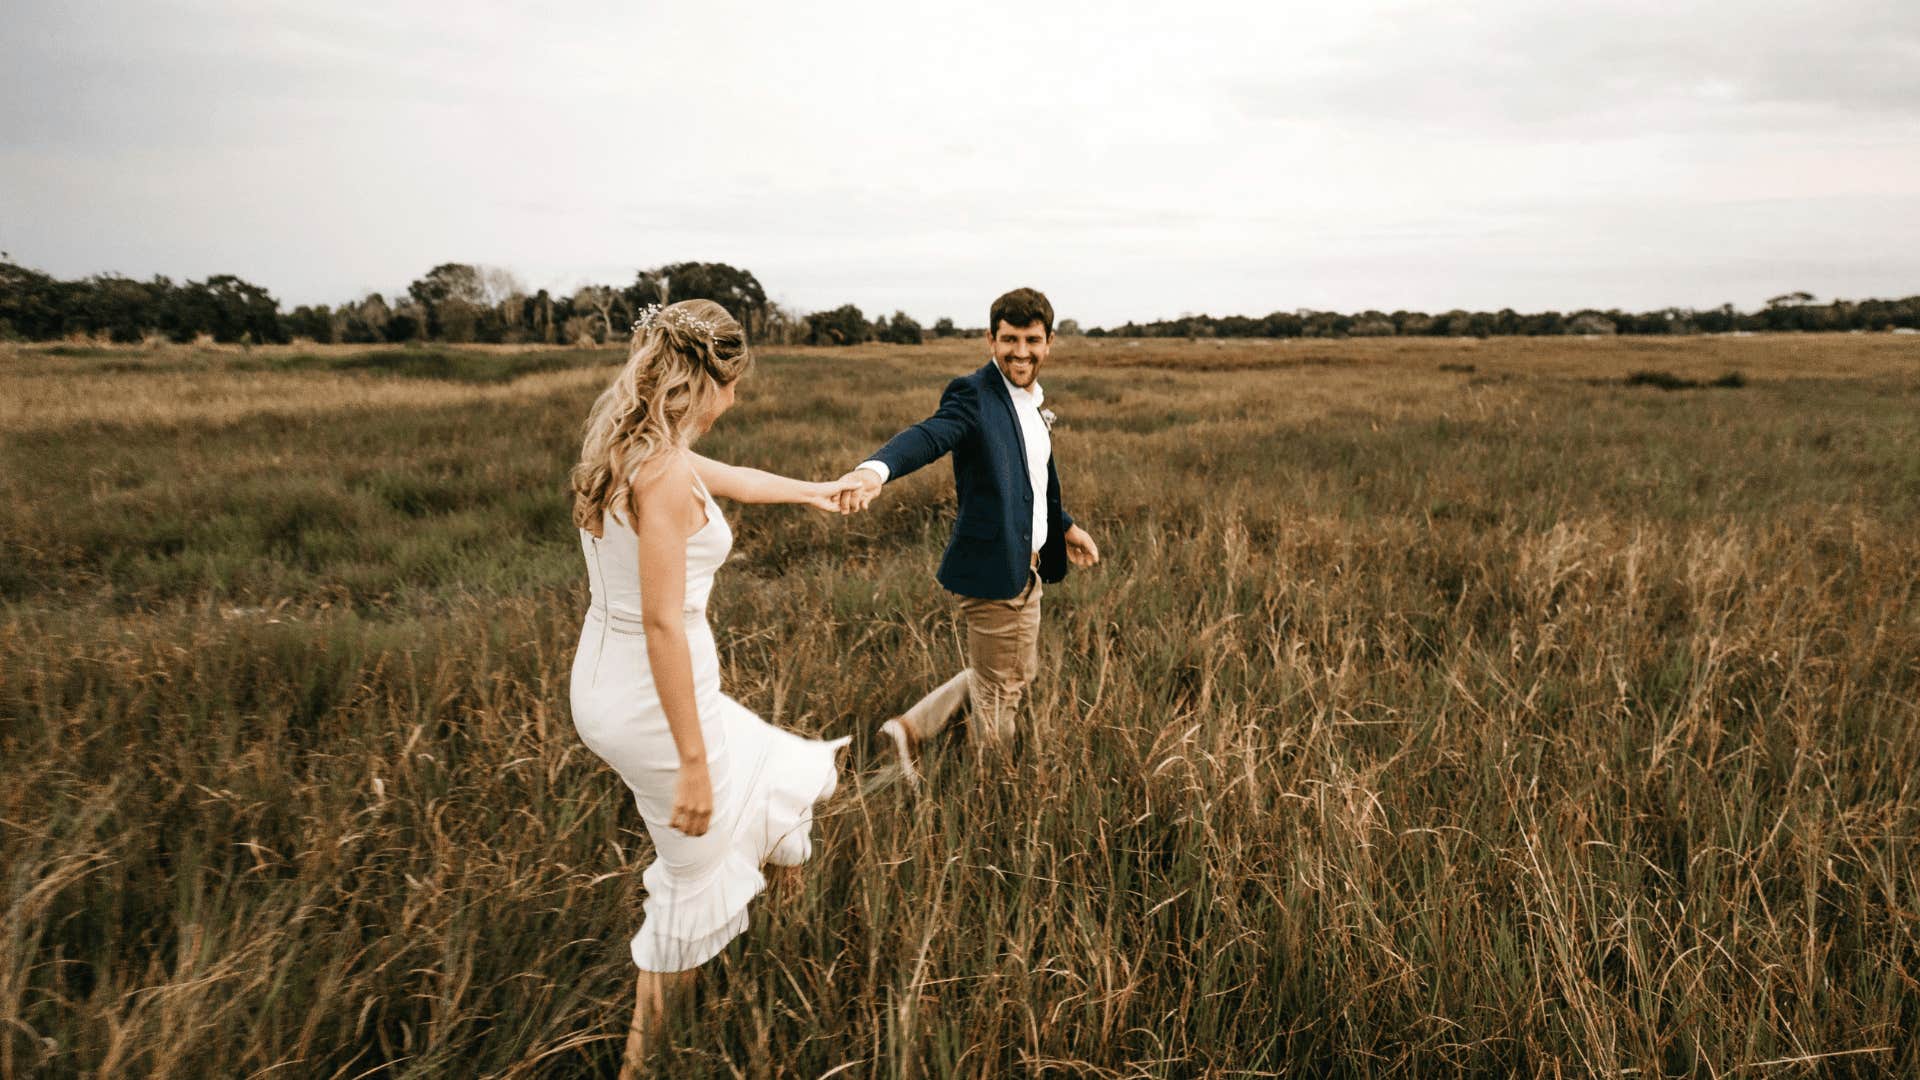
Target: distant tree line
[[459, 302], [453, 302], [1791, 311]]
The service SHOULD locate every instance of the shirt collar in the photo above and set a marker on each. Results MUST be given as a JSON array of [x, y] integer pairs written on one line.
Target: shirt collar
[[1034, 395]]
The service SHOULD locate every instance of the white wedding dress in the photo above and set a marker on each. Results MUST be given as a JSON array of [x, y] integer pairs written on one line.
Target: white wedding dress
[[765, 780]]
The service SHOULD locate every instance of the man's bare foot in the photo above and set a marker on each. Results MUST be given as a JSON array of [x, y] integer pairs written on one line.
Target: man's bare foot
[[904, 746]]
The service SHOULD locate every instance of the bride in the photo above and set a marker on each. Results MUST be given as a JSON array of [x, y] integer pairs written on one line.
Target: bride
[[722, 792]]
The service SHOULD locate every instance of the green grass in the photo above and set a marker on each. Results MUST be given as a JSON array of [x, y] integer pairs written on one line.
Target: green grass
[[1421, 722]]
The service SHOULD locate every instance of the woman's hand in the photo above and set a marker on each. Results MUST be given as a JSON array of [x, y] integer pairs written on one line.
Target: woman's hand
[[826, 495], [693, 800]]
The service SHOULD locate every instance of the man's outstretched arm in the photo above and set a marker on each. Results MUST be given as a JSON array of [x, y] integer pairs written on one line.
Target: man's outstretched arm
[[918, 446]]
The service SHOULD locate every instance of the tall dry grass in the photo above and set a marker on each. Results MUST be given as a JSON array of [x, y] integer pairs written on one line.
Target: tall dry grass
[[1422, 721]]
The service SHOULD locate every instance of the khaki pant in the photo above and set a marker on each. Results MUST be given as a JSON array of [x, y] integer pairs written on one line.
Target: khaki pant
[[1003, 657]]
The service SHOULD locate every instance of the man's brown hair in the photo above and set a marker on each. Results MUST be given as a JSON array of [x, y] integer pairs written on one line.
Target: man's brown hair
[[1020, 309]]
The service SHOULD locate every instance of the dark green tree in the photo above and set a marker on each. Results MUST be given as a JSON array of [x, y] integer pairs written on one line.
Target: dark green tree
[[1282, 324], [902, 330], [407, 323], [648, 288], [448, 281], [123, 309], [453, 297], [312, 322], [363, 323], [229, 308], [33, 305], [732, 288], [844, 325]]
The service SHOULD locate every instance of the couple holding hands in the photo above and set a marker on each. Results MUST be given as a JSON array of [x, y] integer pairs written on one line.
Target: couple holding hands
[[724, 793]]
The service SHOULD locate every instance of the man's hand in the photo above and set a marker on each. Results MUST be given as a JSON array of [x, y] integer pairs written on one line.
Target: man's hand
[[1081, 550], [826, 494], [864, 484]]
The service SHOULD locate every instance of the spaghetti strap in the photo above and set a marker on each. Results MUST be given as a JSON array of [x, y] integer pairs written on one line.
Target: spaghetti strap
[[699, 486]]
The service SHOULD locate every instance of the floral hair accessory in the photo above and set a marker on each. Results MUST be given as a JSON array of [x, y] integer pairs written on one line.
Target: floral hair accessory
[[654, 315]]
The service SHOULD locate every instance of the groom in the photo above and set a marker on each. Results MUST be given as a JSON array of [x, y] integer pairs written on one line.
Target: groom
[[1010, 534]]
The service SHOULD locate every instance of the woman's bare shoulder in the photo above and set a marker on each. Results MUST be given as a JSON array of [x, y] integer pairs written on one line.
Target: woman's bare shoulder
[[663, 472]]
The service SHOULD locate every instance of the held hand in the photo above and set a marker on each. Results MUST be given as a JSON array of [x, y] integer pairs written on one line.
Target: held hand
[[827, 494], [1081, 550], [865, 485], [692, 800]]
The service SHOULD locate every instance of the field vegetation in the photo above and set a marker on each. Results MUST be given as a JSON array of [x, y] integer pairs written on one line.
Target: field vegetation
[[1443, 707]]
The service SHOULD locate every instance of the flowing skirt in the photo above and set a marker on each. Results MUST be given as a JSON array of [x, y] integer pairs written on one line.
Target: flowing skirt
[[766, 781]]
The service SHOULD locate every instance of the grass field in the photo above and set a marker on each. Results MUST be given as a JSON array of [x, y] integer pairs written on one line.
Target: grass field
[[1442, 708]]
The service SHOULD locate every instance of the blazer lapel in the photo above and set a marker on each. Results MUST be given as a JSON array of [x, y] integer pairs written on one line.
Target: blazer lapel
[[999, 384]]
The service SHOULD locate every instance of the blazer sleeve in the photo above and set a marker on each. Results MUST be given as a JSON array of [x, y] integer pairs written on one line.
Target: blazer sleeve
[[1053, 477], [922, 444]]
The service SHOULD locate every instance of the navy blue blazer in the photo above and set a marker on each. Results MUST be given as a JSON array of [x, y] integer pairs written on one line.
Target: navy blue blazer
[[993, 532]]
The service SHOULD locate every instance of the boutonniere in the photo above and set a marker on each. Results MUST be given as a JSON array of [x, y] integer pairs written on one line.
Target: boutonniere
[[1047, 418]]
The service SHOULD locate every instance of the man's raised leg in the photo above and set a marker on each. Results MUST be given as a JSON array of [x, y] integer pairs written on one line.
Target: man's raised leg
[[931, 714], [928, 717]]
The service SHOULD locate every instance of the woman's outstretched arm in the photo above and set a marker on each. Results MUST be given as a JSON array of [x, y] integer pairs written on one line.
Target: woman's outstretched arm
[[741, 484]]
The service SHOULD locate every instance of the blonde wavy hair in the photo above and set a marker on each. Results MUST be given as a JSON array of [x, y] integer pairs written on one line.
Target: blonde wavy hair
[[679, 360]]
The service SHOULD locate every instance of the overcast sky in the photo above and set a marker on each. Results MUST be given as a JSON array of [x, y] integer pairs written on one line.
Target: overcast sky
[[1133, 162]]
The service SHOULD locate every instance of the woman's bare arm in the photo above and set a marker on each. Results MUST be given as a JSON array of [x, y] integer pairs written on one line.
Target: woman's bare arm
[[742, 484], [663, 509]]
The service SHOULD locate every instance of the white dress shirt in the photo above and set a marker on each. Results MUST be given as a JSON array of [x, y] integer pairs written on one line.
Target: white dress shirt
[[1033, 435]]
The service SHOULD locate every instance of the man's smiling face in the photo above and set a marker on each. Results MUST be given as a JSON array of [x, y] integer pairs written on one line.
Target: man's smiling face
[[1020, 350]]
